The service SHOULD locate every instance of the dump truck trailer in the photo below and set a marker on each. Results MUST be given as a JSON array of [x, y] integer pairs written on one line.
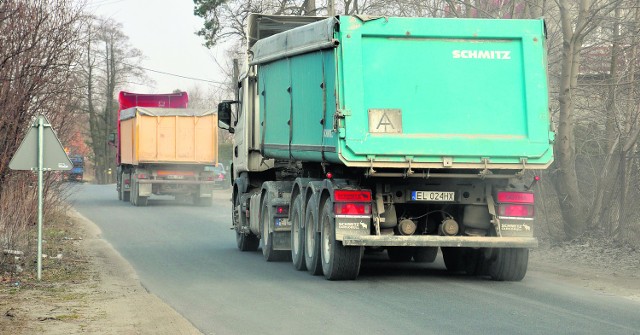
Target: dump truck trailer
[[165, 148], [407, 134]]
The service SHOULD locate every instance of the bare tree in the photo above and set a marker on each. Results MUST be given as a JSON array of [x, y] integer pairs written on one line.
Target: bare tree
[[108, 63], [39, 47]]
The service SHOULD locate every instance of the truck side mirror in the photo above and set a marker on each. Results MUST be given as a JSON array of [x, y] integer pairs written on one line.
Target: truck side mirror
[[224, 115], [112, 139]]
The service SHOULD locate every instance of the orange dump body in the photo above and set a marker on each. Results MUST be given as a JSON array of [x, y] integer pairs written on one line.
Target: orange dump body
[[168, 136]]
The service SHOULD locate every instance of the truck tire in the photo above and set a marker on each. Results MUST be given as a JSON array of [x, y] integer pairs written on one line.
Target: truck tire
[[270, 255], [338, 262], [245, 242], [475, 263], [133, 199], [453, 259], [425, 254], [312, 239], [143, 201], [137, 200], [400, 254], [509, 264], [297, 234], [123, 195]]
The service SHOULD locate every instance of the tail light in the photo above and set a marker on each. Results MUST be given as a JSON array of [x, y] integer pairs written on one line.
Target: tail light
[[516, 204], [348, 208], [352, 195], [142, 176], [352, 202], [282, 210]]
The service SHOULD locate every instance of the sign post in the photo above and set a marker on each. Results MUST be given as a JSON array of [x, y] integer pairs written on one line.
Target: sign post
[[31, 155]]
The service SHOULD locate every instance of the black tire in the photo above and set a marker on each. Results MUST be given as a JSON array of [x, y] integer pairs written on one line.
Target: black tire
[[338, 262], [453, 259], [245, 242], [509, 264], [474, 262], [425, 254], [133, 193], [297, 234], [400, 254], [122, 194], [270, 255], [312, 239], [143, 201]]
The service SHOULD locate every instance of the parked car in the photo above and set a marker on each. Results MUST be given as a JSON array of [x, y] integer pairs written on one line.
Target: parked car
[[221, 177]]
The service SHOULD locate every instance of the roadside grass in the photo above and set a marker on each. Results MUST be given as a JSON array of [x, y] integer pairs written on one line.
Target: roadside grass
[[26, 304]]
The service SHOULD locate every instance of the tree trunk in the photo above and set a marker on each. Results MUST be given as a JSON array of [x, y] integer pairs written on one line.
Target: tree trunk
[[573, 209]]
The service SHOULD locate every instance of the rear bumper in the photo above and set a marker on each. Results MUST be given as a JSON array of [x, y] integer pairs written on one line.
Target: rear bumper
[[440, 241]]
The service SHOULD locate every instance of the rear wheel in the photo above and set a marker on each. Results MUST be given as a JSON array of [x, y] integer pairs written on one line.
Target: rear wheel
[[297, 234], [133, 193], [453, 259], [509, 264], [312, 257], [400, 254], [245, 242], [123, 195], [425, 254], [338, 262], [269, 253]]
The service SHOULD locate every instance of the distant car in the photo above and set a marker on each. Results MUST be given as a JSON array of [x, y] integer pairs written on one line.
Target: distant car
[[220, 176]]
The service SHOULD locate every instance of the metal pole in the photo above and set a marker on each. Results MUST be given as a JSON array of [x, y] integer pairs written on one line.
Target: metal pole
[[331, 8], [40, 190]]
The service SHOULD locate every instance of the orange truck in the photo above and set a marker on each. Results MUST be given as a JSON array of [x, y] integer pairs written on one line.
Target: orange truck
[[165, 148]]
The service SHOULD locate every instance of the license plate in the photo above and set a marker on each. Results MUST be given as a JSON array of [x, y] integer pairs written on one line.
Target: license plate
[[282, 223], [432, 196]]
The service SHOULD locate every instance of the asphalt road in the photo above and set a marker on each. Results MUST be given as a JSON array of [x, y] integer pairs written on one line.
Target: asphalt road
[[187, 256]]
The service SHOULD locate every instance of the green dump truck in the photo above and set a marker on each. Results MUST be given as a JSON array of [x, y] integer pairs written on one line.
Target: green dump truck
[[397, 135]]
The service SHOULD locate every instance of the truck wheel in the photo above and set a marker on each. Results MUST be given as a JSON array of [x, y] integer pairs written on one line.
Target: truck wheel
[[245, 242], [475, 263], [123, 195], [338, 262], [453, 259], [425, 254], [143, 201], [297, 234], [133, 193], [509, 264], [400, 254], [270, 255], [312, 239]]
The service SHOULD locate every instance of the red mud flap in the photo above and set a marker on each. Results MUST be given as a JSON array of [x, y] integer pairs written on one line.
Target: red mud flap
[[440, 241]]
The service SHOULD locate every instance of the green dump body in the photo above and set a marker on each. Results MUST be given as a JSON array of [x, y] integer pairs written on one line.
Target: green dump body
[[406, 92]]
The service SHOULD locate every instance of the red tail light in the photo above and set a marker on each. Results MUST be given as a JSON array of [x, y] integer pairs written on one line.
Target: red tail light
[[515, 210], [516, 197], [516, 204], [142, 176], [352, 195], [282, 210], [349, 208]]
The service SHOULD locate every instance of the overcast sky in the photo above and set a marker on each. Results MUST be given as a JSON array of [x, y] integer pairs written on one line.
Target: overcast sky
[[164, 30]]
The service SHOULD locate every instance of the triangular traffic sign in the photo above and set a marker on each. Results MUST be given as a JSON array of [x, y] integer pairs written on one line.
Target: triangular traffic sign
[[54, 156]]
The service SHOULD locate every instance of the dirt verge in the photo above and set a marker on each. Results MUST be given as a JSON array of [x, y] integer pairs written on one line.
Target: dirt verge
[[99, 293]]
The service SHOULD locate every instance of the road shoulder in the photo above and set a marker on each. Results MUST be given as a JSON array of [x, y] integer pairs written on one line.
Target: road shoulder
[[111, 300]]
